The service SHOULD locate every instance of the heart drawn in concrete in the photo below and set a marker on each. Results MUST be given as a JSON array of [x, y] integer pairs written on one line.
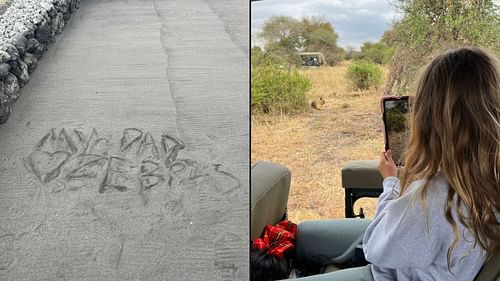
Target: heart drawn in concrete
[[47, 166]]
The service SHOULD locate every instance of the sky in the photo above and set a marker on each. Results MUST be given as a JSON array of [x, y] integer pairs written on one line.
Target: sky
[[355, 21]]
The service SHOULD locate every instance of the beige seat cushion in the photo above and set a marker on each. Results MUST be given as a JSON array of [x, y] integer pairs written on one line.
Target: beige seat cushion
[[361, 174], [270, 186]]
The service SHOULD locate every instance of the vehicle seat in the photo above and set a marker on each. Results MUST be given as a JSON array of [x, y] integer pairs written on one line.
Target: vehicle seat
[[491, 270], [270, 185]]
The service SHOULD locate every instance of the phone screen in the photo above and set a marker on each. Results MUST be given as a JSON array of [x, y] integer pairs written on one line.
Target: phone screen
[[396, 112]]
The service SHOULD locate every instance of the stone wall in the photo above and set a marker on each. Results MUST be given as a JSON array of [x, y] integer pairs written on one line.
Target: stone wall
[[27, 28]]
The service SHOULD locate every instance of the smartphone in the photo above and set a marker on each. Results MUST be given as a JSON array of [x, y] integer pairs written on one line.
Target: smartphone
[[395, 114]]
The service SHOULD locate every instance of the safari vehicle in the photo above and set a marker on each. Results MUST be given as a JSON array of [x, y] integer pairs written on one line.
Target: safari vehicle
[[270, 185], [312, 58]]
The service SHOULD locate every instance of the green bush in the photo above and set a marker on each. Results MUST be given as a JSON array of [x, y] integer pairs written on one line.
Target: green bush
[[397, 120], [278, 90], [364, 75], [378, 53], [261, 58]]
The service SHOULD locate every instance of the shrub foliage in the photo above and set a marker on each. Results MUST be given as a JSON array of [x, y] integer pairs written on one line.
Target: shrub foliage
[[364, 75], [278, 90], [378, 52]]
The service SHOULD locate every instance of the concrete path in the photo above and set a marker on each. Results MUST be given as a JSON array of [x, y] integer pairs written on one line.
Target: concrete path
[[126, 155]]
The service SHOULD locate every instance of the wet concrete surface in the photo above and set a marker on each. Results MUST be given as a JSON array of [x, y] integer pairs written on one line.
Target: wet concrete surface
[[126, 155]]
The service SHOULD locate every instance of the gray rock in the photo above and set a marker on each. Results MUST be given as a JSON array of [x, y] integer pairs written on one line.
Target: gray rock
[[46, 6], [11, 50], [5, 108], [32, 45], [4, 69], [20, 43], [11, 87], [30, 33], [19, 27], [26, 29], [52, 12], [31, 61], [15, 68], [57, 23], [37, 19], [74, 5], [39, 51], [23, 75], [44, 34], [62, 8], [4, 56], [46, 16]]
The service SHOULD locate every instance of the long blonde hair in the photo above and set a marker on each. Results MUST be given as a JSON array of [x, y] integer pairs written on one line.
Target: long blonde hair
[[455, 130]]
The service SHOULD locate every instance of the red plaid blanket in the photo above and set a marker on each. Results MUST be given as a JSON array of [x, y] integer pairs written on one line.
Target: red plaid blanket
[[277, 239]]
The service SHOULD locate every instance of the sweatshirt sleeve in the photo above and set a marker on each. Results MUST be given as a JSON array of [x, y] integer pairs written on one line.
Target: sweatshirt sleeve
[[399, 234]]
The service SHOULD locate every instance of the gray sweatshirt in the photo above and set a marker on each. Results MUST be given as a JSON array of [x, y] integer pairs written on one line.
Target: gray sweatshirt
[[402, 244]]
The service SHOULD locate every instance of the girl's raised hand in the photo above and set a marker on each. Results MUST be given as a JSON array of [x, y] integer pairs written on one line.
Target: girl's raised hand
[[387, 167]]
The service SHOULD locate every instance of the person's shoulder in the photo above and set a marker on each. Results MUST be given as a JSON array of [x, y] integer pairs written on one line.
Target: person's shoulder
[[435, 186], [427, 196]]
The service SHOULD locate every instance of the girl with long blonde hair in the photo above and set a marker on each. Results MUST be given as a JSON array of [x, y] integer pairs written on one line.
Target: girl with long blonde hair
[[444, 212], [440, 219]]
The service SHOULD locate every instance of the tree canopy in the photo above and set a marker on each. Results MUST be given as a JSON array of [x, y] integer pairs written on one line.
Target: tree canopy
[[431, 26], [377, 52], [320, 36], [287, 37], [283, 36]]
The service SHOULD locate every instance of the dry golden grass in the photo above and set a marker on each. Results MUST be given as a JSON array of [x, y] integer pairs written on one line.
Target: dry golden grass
[[314, 145]]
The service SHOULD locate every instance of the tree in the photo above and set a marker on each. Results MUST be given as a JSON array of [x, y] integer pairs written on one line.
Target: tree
[[350, 53], [260, 57], [430, 26], [376, 52], [286, 37], [283, 36], [320, 36]]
